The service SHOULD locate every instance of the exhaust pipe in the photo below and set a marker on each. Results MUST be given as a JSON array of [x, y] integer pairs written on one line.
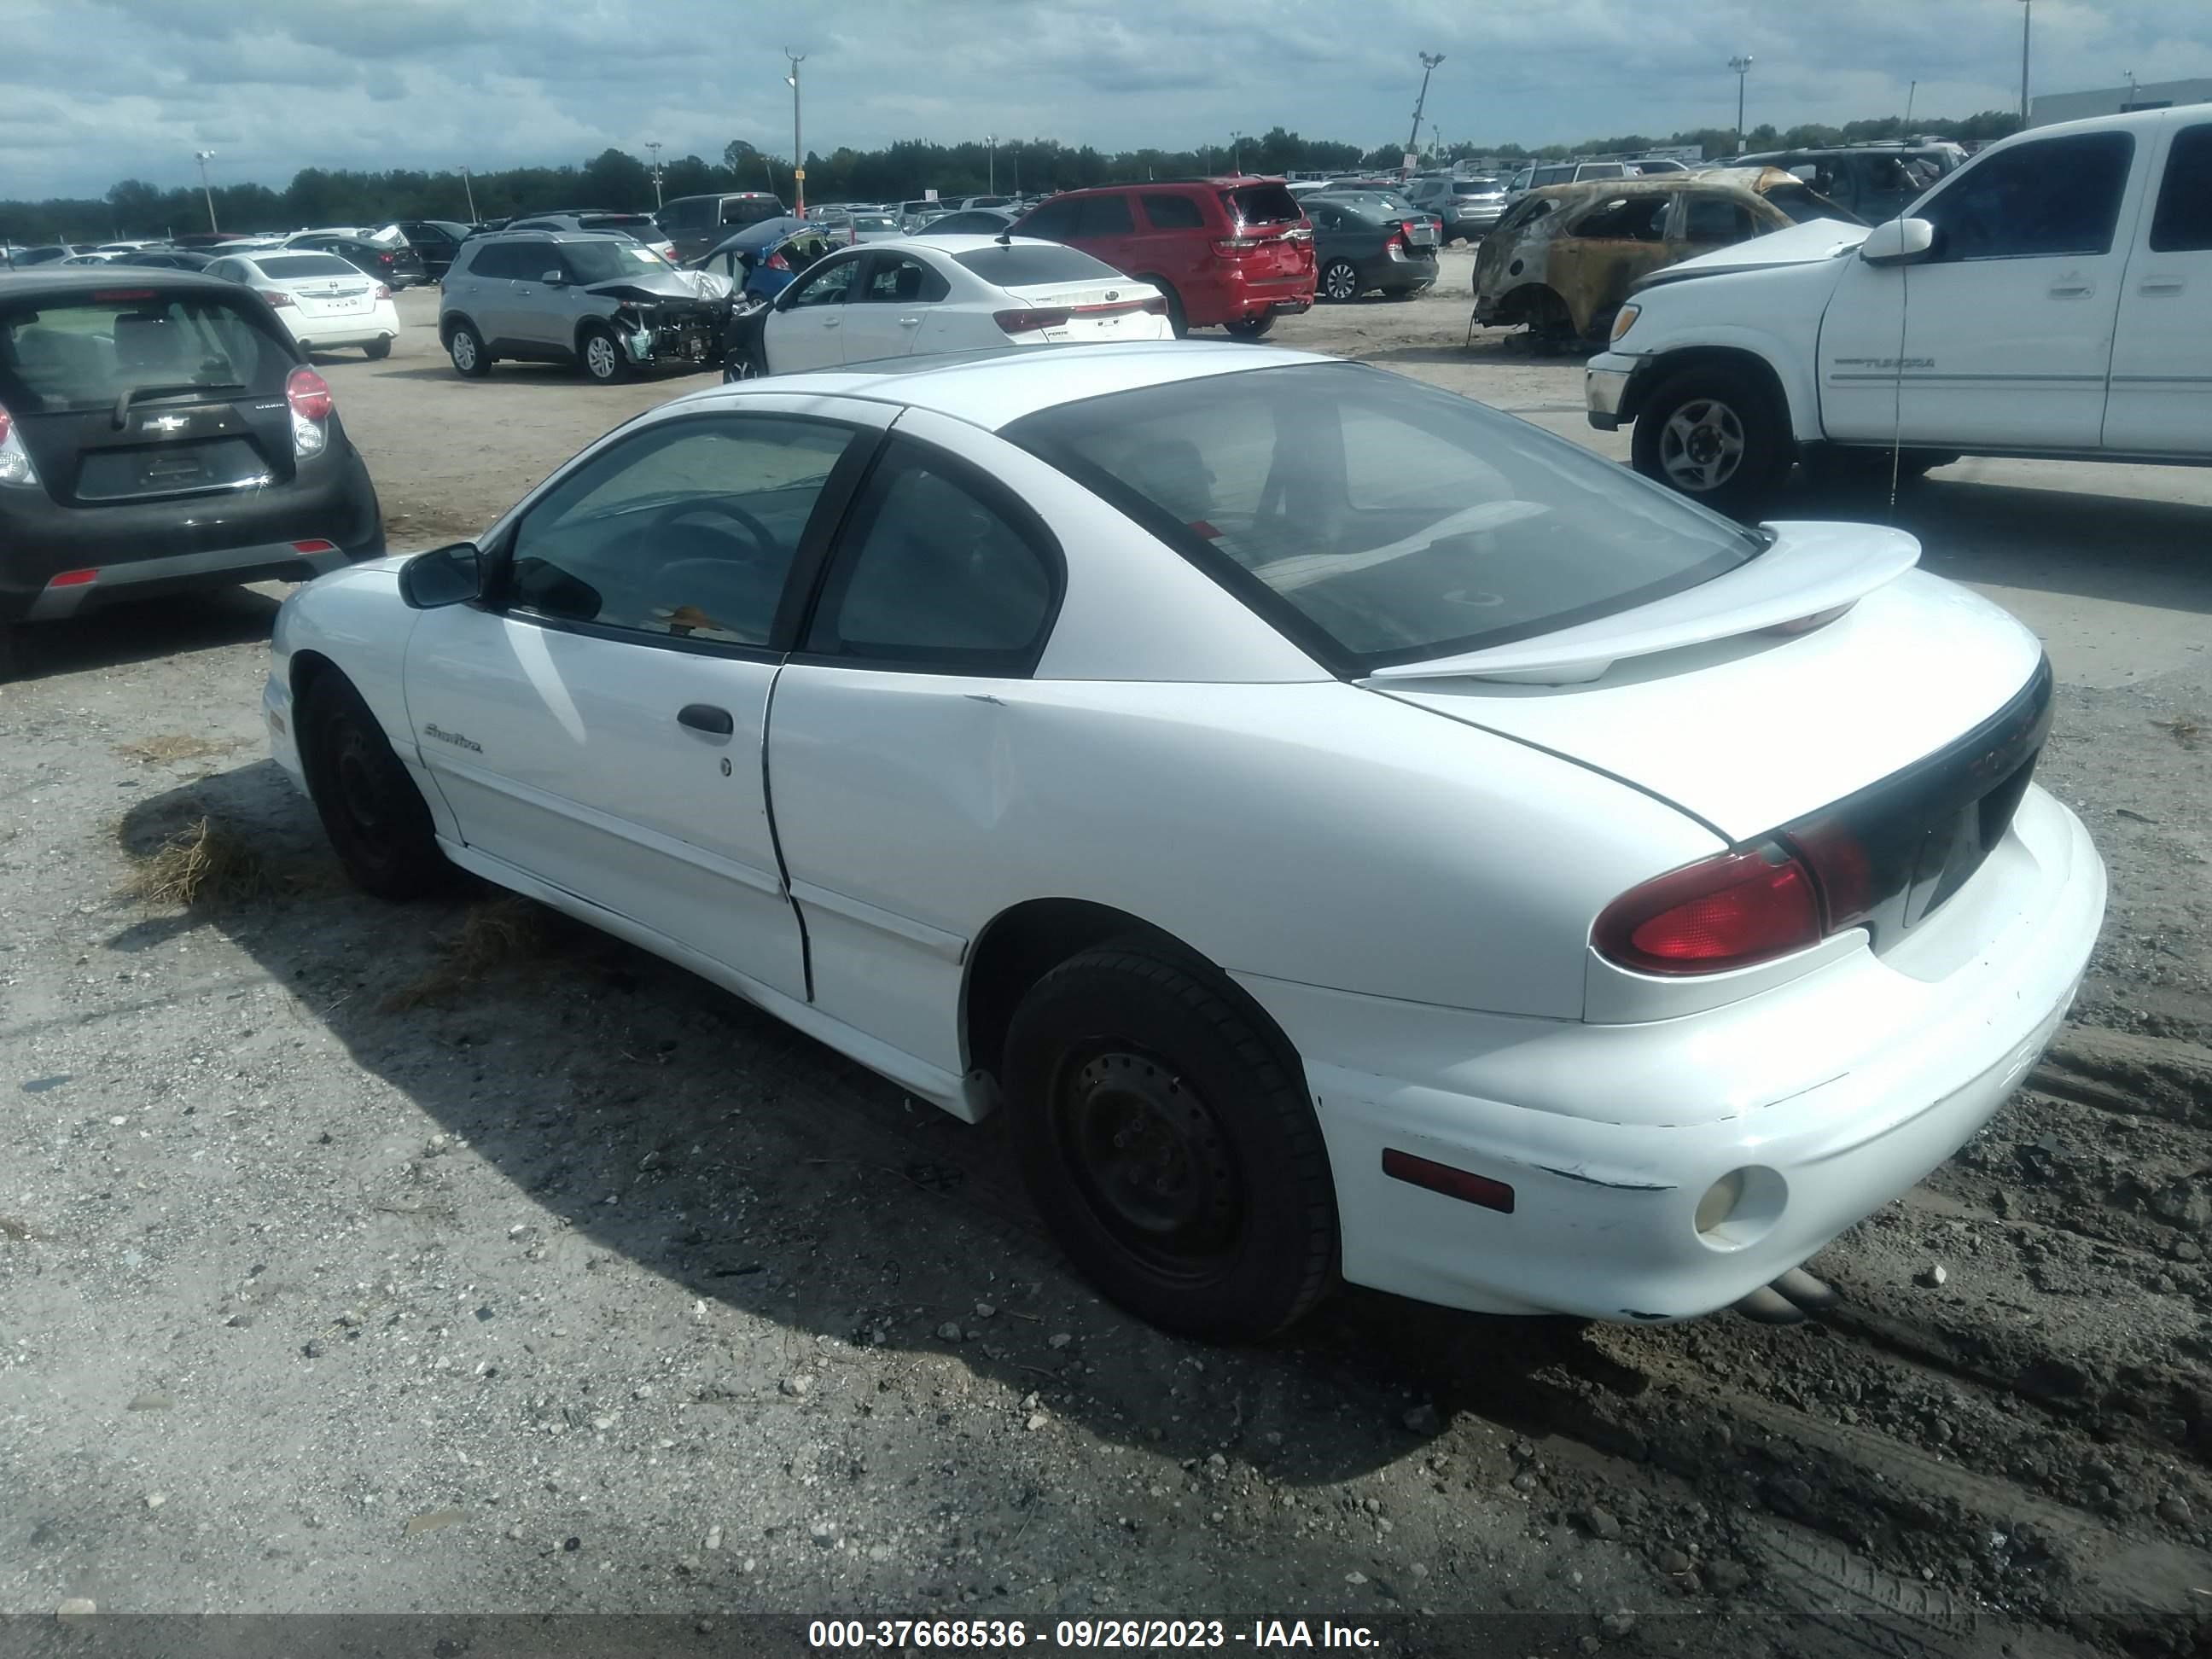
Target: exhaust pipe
[[1791, 1300]]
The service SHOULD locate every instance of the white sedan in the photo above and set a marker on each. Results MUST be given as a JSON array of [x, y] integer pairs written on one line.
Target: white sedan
[[924, 295], [323, 301], [1349, 832]]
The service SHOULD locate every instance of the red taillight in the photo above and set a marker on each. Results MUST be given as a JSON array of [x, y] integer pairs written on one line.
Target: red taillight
[[308, 393], [1452, 1183], [382, 292], [1027, 322], [275, 296], [316, 546], [74, 579], [777, 262], [1726, 911], [99, 294]]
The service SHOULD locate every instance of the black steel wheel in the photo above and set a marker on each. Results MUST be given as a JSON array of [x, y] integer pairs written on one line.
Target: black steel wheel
[[1169, 1145], [373, 814]]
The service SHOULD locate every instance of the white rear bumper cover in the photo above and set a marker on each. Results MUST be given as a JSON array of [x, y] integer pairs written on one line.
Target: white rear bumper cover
[[1849, 1084]]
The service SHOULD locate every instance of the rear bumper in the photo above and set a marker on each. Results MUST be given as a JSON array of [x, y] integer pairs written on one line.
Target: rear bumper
[[1837, 1091], [380, 322], [1235, 297], [142, 550]]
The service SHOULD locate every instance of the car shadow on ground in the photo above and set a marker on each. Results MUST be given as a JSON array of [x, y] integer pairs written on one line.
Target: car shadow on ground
[[144, 630], [715, 1146]]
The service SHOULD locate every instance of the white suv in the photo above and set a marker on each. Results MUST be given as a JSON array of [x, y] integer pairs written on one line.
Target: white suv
[[2044, 300]]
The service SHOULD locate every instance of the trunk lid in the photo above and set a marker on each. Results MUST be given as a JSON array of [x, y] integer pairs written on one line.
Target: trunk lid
[[1747, 730], [333, 297], [1101, 310]]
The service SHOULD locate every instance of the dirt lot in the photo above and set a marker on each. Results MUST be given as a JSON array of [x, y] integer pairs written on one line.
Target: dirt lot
[[343, 1270]]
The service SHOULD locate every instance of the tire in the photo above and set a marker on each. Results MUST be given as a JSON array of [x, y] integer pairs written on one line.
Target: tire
[[370, 808], [1251, 328], [378, 350], [466, 348], [1715, 435], [600, 355], [1171, 1145], [1340, 282]]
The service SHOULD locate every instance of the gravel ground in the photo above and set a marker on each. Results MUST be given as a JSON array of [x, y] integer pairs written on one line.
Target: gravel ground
[[337, 1274]]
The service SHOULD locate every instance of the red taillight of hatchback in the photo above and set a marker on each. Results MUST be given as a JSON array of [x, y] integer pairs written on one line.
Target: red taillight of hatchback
[[309, 395], [777, 262], [16, 466], [1731, 911]]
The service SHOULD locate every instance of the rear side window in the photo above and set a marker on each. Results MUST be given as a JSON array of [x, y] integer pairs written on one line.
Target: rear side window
[[286, 266], [1552, 176], [1016, 266], [87, 353], [685, 216], [1261, 204], [1173, 212], [1717, 219], [939, 572], [1104, 216], [2183, 223], [1601, 170], [2051, 197]]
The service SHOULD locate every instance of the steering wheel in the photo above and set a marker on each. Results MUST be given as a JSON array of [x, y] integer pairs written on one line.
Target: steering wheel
[[765, 547]]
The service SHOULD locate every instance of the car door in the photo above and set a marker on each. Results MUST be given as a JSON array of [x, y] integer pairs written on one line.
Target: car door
[[539, 319], [2161, 402], [2002, 336], [596, 725], [887, 743], [805, 330], [897, 306]]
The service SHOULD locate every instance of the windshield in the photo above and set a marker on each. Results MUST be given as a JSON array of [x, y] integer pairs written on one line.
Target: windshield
[[284, 267], [603, 262], [86, 354], [1378, 521]]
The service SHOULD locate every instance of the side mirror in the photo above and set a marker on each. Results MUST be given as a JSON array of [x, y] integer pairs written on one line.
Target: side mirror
[[1898, 242], [555, 278], [443, 576]]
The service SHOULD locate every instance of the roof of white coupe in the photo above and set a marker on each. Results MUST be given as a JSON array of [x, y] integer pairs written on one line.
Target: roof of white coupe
[[993, 389]]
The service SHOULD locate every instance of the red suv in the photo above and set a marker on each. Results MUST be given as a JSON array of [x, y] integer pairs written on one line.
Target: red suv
[[1233, 252]]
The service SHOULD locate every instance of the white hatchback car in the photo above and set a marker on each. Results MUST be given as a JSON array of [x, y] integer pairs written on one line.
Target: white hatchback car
[[323, 301], [1350, 832], [929, 295]]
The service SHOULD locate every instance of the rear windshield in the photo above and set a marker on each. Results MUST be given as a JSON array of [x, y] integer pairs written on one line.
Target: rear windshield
[[629, 223], [289, 265], [1379, 521], [1261, 204], [87, 353], [1024, 267]]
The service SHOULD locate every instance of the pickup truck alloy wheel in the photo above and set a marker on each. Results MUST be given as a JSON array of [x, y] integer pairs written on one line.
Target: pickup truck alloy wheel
[[1701, 445], [1169, 1145], [1340, 282], [1715, 435]]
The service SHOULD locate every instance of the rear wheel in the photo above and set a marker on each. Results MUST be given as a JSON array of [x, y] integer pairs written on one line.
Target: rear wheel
[[378, 350], [1169, 1145], [370, 808], [1715, 435], [1339, 281], [466, 348], [601, 355], [1251, 328]]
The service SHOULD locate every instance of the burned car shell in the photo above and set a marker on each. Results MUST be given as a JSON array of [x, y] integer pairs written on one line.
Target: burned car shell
[[1565, 257]]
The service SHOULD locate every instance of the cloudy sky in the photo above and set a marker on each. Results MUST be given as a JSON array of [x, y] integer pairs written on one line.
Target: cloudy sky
[[97, 90]]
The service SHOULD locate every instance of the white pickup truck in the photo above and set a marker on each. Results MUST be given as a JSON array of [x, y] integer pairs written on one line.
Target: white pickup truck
[[2051, 298]]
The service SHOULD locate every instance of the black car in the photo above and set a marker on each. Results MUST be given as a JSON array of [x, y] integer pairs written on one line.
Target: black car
[[1359, 247], [396, 267], [160, 431], [434, 241]]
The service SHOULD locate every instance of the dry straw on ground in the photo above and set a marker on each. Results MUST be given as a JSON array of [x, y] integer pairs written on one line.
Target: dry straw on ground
[[171, 746], [205, 865]]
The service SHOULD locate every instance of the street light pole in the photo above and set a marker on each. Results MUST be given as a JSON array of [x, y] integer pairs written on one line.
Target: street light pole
[[1428, 62], [653, 144], [991, 178], [1742, 67], [203, 156], [798, 154], [2131, 74], [1236, 153], [1911, 94], [469, 191], [2027, 23]]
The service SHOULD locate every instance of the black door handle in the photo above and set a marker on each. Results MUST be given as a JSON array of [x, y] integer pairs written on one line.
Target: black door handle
[[705, 717]]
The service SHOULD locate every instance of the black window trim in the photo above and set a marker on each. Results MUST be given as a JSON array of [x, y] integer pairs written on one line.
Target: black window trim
[[828, 513], [905, 449]]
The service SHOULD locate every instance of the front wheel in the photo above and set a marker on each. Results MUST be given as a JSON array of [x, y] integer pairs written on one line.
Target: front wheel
[[1169, 1145], [1717, 435], [1251, 328], [466, 348], [1340, 282], [602, 357], [370, 808]]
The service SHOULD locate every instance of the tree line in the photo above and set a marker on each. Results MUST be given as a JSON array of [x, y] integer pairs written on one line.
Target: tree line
[[901, 171]]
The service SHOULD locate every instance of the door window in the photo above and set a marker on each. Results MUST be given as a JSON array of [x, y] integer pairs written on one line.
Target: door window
[[1104, 216], [941, 569], [1715, 219], [686, 531], [1627, 219], [2057, 197], [825, 287], [897, 280], [2183, 222], [1055, 221], [1173, 213]]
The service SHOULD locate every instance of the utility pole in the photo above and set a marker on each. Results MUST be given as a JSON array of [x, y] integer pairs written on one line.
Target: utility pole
[[653, 144], [1428, 62], [798, 154], [1911, 92], [1235, 152], [1742, 67], [469, 191], [2130, 104], [992, 177], [2027, 23], [203, 156]]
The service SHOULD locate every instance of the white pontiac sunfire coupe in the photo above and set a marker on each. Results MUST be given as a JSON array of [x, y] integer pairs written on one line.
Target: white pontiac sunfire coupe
[[1350, 832]]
